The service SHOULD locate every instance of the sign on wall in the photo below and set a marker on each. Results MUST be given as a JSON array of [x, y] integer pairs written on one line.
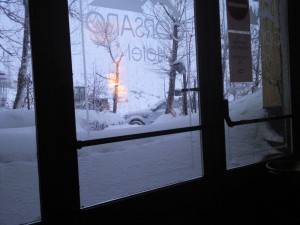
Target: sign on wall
[[240, 59]]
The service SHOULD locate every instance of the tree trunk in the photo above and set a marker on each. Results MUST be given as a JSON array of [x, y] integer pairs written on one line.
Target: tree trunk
[[194, 98], [116, 91], [184, 96], [171, 92], [172, 74], [22, 74]]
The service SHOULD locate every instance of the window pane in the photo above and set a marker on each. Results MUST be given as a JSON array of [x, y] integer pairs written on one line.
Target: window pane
[[134, 69], [19, 184], [256, 77], [248, 144], [133, 64], [112, 171]]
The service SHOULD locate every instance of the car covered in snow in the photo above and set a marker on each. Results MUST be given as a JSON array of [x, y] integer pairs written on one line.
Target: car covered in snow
[[97, 120], [149, 115]]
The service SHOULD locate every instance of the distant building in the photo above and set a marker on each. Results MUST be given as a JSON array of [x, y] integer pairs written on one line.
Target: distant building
[[99, 104], [4, 85]]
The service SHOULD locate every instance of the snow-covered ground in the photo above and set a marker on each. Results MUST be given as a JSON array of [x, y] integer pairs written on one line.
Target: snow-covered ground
[[116, 170]]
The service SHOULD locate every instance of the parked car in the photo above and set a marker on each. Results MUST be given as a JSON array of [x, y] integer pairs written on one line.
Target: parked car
[[97, 120], [147, 116]]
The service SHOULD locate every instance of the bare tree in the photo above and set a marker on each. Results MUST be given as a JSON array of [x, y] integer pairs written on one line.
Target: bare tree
[[96, 88], [256, 58], [224, 49], [15, 42], [105, 35], [23, 79], [10, 14], [15, 13], [173, 35]]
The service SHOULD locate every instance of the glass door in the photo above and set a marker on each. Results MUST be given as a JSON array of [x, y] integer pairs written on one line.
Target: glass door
[[136, 96], [256, 80]]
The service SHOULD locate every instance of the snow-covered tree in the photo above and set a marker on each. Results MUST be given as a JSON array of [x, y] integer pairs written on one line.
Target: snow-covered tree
[[176, 36]]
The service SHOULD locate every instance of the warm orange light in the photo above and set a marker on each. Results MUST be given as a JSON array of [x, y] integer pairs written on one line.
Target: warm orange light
[[112, 80], [122, 92]]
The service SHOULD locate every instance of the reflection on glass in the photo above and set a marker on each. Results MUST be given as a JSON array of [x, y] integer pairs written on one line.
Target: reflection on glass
[[133, 62], [112, 171], [19, 184], [134, 72], [262, 32], [269, 68]]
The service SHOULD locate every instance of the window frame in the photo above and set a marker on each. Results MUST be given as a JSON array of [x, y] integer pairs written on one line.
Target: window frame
[[57, 148]]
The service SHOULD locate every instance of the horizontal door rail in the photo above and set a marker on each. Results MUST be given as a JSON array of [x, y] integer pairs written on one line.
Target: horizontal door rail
[[190, 89], [81, 144], [231, 123]]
